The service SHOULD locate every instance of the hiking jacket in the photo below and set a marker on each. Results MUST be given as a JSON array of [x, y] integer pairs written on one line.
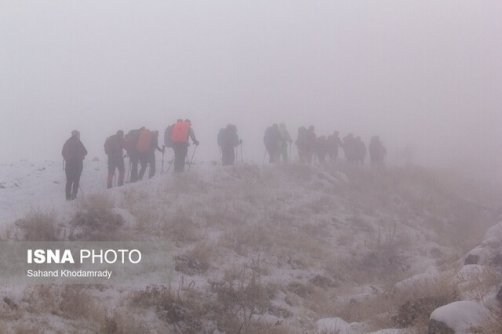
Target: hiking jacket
[[73, 150]]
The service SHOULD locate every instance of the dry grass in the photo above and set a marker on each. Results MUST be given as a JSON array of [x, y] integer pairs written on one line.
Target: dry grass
[[183, 310], [249, 210], [67, 301], [39, 226], [408, 308], [240, 297], [477, 286], [123, 323], [95, 221], [493, 325], [197, 260], [181, 229]]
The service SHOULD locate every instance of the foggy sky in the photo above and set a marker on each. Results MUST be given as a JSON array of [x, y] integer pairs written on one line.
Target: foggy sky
[[426, 73]]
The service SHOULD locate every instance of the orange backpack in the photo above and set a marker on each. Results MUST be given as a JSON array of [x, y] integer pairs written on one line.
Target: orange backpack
[[179, 133], [144, 141]]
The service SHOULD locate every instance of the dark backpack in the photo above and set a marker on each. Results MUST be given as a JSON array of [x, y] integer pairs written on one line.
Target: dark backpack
[[168, 142], [108, 145]]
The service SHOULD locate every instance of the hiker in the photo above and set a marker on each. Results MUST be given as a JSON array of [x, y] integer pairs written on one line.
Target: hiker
[[334, 142], [349, 148], [301, 144], [74, 153], [285, 141], [228, 140], [321, 149], [272, 140], [360, 150], [114, 149], [377, 151], [130, 145], [180, 134], [168, 142], [154, 145], [311, 144], [143, 147]]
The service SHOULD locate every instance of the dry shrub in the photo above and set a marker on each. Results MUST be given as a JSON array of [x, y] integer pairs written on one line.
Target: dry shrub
[[181, 229], [39, 226], [246, 239], [9, 310], [385, 258], [240, 296], [415, 305], [123, 323], [136, 201], [68, 301], [480, 285], [76, 303], [309, 248], [27, 329], [407, 308], [183, 309], [195, 261], [95, 221], [493, 325], [42, 298], [383, 261]]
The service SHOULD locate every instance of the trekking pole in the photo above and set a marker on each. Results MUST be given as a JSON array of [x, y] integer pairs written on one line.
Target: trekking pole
[[193, 155]]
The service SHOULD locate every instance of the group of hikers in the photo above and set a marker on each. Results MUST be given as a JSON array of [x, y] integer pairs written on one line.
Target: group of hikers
[[140, 146], [278, 145]]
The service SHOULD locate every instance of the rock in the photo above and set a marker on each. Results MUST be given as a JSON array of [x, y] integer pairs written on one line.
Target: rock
[[471, 259], [457, 317], [499, 295]]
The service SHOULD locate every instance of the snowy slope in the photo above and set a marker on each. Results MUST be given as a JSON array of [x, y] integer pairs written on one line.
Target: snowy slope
[[305, 244]]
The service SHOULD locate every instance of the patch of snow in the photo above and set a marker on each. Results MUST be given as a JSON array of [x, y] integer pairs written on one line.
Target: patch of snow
[[339, 326], [429, 276], [391, 331], [461, 315]]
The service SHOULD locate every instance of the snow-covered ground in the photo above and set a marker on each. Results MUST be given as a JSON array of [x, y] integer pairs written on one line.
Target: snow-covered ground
[[266, 249], [26, 186]]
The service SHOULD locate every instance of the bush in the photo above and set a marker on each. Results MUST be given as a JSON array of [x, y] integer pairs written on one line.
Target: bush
[[38, 226], [96, 221]]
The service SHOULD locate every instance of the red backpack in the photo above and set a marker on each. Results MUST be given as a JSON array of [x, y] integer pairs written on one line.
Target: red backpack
[[179, 133], [144, 141]]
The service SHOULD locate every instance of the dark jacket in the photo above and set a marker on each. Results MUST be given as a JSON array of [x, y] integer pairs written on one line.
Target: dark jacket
[[228, 138], [114, 146], [74, 150]]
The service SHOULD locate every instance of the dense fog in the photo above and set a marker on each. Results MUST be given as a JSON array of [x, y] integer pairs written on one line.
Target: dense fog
[[422, 74]]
